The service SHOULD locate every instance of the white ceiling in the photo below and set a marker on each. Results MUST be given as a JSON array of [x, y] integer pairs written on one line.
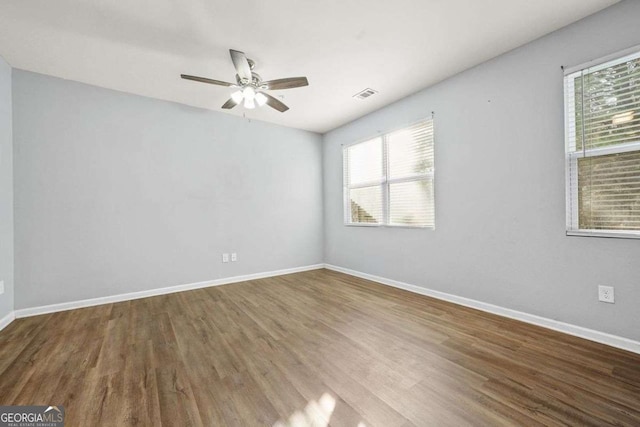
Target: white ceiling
[[342, 46]]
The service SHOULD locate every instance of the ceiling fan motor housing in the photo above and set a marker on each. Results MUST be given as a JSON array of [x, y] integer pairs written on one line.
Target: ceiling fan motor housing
[[256, 80]]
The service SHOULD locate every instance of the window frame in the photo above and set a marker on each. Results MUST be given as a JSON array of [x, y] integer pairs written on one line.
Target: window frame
[[572, 155], [385, 182]]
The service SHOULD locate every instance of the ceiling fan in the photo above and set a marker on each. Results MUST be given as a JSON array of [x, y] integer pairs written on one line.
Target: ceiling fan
[[249, 85]]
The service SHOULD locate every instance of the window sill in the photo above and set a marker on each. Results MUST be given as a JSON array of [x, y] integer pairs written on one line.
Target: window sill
[[605, 234], [419, 227]]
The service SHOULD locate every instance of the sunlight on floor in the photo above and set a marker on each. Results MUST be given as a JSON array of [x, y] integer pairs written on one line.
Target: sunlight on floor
[[315, 414]]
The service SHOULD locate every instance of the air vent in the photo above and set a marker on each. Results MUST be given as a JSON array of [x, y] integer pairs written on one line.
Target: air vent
[[365, 93]]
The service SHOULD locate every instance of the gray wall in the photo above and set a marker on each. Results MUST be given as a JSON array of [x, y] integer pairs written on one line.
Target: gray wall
[[117, 193], [500, 202], [6, 190]]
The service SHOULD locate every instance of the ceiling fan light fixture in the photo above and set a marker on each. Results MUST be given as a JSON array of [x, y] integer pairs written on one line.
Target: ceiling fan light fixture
[[237, 96], [249, 103], [261, 99], [249, 93]]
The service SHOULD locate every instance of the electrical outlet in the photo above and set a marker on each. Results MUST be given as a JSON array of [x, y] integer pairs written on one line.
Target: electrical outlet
[[1, 287], [234, 257], [605, 294], [225, 257]]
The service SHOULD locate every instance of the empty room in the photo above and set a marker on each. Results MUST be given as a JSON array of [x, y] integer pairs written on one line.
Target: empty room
[[310, 214]]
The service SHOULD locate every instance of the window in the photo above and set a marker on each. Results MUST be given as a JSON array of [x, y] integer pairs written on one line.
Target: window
[[602, 105], [388, 180]]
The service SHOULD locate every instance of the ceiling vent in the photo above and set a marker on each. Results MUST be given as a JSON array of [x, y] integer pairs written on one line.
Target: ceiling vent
[[363, 94]]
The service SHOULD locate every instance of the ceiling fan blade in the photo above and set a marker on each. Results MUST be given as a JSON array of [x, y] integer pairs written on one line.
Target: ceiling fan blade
[[242, 65], [275, 103], [229, 104], [288, 83], [205, 80]]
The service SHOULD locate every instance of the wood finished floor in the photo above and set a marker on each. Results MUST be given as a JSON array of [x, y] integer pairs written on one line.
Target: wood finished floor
[[302, 349]]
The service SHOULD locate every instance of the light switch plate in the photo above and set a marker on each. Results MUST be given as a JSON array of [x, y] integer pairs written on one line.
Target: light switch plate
[[234, 257], [1, 287], [225, 257]]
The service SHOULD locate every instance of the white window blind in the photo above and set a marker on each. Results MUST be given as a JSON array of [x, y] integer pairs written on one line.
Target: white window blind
[[388, 180], [603, 148]]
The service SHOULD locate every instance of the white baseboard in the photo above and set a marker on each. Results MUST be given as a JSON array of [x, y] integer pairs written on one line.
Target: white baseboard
[[34, 311], [578, 331], [4, 322]]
